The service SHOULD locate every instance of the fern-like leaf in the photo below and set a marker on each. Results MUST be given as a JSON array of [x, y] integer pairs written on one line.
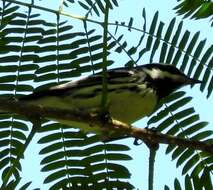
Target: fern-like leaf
[[197, 9]]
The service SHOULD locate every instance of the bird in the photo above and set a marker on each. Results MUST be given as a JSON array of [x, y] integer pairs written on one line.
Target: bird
[[132, 93]]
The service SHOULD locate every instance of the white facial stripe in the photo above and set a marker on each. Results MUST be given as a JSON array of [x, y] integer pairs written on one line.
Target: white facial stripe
[[157, 73]]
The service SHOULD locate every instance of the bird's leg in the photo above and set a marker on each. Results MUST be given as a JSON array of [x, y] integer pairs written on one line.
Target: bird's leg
[[153, 129], [136, 139], [105, 118], [152, 145], [107, 134]]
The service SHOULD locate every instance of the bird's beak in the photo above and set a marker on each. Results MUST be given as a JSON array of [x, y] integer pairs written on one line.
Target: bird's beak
[[191, 81]]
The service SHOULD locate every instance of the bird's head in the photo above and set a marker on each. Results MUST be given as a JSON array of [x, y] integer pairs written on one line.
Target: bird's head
[[167, 78]]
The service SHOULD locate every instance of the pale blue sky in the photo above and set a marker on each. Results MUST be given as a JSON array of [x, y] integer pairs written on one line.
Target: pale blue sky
[[165, 169]]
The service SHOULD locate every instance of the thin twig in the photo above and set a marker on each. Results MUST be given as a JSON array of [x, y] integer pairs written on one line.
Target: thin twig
[[104, 80], [152, 155]]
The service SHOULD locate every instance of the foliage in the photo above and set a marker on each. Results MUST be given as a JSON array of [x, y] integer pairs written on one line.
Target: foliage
[[36, 53], [197, 9]]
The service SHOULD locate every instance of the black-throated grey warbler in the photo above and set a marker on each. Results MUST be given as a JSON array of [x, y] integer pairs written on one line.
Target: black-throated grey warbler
[[133, 93]]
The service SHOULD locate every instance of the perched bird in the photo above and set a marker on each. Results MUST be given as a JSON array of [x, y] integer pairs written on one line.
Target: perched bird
[[133, 93]]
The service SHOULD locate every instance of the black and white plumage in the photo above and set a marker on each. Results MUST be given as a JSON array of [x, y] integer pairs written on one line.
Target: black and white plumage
[[133, 93]]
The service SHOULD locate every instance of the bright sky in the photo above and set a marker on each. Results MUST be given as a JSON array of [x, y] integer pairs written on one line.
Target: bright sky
[[165, 169]]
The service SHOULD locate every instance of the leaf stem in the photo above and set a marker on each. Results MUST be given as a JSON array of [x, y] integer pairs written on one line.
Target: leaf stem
[[152, 155], [104, 80]]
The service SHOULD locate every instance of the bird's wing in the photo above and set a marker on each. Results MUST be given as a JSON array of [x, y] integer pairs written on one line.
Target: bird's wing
[[118, 75]]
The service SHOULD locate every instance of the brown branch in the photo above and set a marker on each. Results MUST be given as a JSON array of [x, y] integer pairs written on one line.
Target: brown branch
[[113, 126]]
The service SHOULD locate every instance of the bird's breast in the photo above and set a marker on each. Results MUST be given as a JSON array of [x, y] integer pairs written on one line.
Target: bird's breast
[[131, 105]]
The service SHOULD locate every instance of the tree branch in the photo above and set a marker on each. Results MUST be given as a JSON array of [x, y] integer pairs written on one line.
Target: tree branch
[[114, 126]]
